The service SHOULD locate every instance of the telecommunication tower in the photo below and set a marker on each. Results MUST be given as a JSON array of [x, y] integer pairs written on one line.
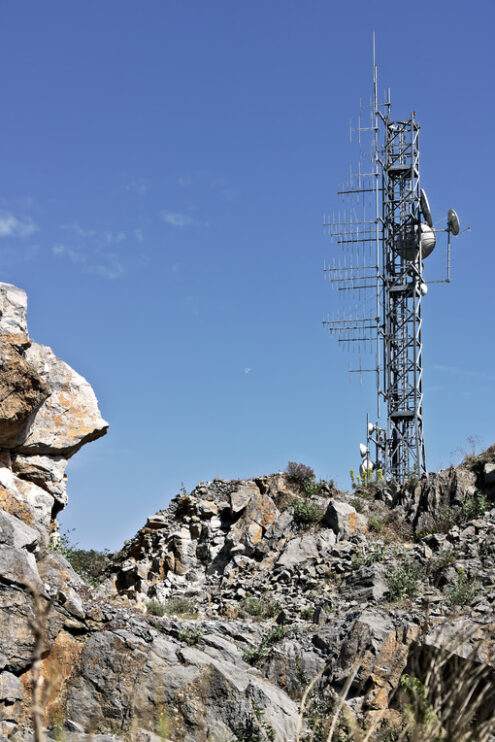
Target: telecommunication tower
[[383, 238]]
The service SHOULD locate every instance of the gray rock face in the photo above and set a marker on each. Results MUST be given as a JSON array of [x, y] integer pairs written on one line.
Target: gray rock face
[[14, 532]]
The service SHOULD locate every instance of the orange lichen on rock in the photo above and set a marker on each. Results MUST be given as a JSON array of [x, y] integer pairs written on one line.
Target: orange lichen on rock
[[12, 505], [56, 668]]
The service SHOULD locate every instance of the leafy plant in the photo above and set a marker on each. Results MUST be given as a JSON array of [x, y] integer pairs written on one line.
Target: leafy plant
[[180, 607], [463, 593], [358, 504], [378, 554], [190, 635], [306, 511], [299, 474], [154, 608], [88, 563], [449, 516], [416, 701], [375, 524], [301, 674], [403, 580], [255, 729], [261, 607], [253, 655], [361, 481]]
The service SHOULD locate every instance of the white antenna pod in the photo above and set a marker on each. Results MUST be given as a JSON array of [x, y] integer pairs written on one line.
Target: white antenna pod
[[425, 208], [453, 224]]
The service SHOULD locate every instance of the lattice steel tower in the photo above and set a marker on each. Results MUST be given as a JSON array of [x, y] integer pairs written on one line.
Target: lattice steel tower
[[382, 262]]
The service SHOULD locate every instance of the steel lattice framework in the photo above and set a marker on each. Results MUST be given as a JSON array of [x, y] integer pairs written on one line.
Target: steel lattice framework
[[382, 262], [402, 281]]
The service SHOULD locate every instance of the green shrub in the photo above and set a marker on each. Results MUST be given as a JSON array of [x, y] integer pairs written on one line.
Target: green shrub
[[463, 593], [306, 511], [88, 563], [190, 636], [375, 524], [252, 655], [253, 606], [261, 607], [299, 474], [403, 580], [255, 729], [358, 504], [180, 607], [154, 608], [469, 509]]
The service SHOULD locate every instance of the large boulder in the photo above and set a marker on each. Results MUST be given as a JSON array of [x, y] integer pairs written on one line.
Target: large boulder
[[69, 417]]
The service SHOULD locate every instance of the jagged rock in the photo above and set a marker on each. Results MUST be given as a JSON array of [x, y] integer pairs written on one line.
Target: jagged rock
[[13, 309], [18, 567], [27, 502], [22, 390], [306, 548], [47, 472], [14, 532], [426, 501], [69, 417], [343, 519]]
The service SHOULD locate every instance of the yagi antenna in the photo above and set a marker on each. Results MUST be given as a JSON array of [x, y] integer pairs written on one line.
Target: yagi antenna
[[382, 251]]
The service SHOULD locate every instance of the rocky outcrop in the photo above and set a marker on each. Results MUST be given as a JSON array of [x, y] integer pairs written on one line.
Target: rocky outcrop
[[47, 412]]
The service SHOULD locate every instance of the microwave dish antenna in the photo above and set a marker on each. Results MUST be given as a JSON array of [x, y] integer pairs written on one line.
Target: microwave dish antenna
[[425, 208], [453, 224], [383, 238]]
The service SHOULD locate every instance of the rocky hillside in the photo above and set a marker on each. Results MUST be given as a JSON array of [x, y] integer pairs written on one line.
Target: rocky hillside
[[275, 608]]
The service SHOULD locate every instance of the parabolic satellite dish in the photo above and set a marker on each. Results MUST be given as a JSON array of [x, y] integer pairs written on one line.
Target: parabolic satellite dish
[[425, 208], [453, 222]]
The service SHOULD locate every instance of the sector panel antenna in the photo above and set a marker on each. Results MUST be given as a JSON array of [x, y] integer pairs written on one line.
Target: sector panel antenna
[[453, 222], [425, 208]]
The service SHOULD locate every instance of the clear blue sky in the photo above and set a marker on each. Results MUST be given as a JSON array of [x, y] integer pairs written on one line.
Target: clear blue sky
[[165, 167]]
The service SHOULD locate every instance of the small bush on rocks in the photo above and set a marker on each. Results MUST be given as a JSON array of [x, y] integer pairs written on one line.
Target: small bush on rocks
[[154, 608], [261, 607], [403, 580], [469, 509], [190, 636], [253, 655], [299, 474], [375, 524], [358, 504], [463, 593], [306, 511], [88, 563], [180, 607]]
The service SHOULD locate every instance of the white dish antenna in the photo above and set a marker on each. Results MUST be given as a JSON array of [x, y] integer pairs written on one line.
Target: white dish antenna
[[363, 450], [425, 208], [453, 222]]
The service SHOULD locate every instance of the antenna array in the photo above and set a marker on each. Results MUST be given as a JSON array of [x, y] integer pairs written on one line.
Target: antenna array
[[382, 239]]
